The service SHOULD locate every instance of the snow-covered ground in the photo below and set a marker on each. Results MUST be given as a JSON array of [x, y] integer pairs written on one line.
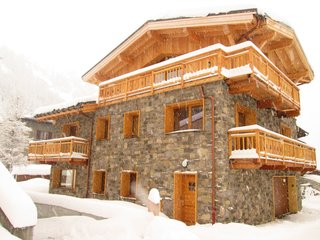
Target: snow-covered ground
[[130, 221]]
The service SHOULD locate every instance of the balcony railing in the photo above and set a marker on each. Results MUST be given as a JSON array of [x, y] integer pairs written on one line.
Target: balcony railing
[[68, 149], [234, 64], [254, 147]]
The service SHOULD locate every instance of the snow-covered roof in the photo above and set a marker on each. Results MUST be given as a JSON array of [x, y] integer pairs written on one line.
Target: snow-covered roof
[[74, 104], [31, 169], [15, 203]]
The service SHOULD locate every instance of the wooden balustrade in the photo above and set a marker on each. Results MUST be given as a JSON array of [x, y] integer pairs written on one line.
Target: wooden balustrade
[[202, 66], [254, 147], [72, 149]]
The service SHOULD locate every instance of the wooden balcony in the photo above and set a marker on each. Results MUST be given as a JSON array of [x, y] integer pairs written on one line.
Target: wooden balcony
[[254, 147], [244, 68], [68, 149]]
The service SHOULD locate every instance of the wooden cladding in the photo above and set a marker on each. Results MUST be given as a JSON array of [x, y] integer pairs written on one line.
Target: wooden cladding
[[244, 68], [254, 147], [131, 126], [99, 182], [285, 130], [103, 128], [184, 116], [128, 184], [70, 149]]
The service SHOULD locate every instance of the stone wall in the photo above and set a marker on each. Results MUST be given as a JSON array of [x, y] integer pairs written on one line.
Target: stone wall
[[85, 123], [241, 195]]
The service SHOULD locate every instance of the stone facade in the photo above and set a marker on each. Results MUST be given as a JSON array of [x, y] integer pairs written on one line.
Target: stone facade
[[241, 195], [45, 126]]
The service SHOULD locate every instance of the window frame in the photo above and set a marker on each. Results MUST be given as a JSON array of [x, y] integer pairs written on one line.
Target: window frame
[[97, 181], [250, 115], [169, 118], [125, 189], [101, 128], [65, 130], [128, 119], [57, 178]]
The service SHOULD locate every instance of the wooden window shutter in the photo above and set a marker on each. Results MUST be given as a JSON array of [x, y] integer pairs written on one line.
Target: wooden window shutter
[[97, 182], [56, 177], [127, 128], [251, 117], [169, 119], [99, 129], [125, 184]]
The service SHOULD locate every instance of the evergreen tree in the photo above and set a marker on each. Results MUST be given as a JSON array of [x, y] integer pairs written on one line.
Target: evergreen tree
[[14, 136]]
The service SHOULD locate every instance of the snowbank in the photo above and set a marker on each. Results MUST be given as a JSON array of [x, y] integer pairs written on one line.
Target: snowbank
[[130, 221], [31, 169], [5, 235], [14, 202]]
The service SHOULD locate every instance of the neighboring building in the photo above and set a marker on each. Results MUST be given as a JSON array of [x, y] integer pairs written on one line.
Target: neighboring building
[[41, 130], [200, 108]]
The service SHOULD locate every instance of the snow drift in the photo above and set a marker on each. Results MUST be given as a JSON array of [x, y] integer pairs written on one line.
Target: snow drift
[[15, 203]]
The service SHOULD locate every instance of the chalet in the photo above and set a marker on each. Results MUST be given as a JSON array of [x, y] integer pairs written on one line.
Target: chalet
[[201, 108]]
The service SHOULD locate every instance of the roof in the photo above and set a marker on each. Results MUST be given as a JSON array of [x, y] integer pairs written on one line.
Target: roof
[[77, 106], [163, 38]]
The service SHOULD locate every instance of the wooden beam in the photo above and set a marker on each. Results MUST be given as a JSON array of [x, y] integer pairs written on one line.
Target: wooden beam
[[193, 36], [262, 39], [229, 34], [279, 45]]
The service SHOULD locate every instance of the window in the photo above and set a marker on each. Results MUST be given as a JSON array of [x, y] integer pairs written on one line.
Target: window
[[71, 129], [43, 135], [64, 178], [128, 184], [131, 126], [285, 130], [103, 128], [244, 116], [99, 182], [185, 115]]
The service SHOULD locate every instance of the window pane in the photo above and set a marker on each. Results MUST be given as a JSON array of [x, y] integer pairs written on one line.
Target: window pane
[[67, 177], [106, 129], [197, 117], [181, 119]]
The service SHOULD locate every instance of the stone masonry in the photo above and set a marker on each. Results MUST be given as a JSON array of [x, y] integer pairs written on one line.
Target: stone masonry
[[241, 195]]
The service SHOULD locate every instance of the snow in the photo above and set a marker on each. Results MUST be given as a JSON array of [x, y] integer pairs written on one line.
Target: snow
[[154, 196], [65, 104], [31, 169], [246, 153], [130, 221], [58, 139], [5, 235], [15, 203], [312, 177], [239, 71]]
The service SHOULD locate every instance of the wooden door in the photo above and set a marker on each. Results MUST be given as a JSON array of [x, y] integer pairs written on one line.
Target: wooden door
[[185, 197], [280, 196]]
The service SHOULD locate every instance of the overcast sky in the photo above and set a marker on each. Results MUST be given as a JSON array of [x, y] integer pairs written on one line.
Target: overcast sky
[[70, 36]]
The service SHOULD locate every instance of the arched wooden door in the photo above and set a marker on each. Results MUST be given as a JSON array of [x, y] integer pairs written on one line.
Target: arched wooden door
[[185, 197]]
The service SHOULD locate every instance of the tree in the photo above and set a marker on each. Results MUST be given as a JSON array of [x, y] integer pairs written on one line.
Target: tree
[[14, 137]]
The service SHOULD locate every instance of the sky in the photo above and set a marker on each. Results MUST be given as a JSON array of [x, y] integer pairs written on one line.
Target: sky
[[71, 36]]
